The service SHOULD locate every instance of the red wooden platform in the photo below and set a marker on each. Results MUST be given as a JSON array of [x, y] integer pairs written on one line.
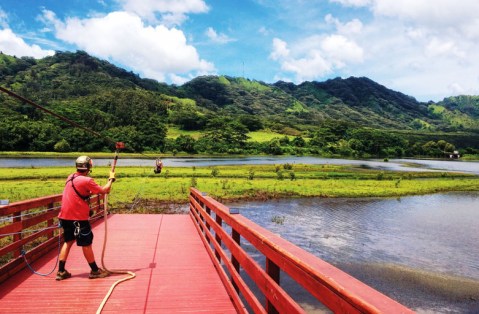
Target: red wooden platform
[[173, 273]]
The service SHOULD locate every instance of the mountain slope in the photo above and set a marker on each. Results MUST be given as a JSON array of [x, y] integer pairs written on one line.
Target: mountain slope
[[360, 100], [76, 82]]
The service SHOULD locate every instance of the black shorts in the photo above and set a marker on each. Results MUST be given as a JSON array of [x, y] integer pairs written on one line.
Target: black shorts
[[77, 230]]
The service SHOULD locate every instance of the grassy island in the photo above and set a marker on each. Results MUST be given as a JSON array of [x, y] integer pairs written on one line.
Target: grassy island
[[139, 187]]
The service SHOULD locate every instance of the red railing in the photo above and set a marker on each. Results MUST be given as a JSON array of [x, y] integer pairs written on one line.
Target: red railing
[[222, 231], [30, 228]]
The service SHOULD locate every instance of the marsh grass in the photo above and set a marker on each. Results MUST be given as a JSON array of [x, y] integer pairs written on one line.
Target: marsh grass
[[138, 185]]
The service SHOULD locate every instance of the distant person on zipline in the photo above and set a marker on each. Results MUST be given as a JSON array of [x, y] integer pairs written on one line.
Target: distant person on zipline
[[74, 215]]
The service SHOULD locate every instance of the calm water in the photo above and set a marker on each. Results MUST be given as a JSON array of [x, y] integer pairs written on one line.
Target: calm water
[[395, 164], [422, 251]]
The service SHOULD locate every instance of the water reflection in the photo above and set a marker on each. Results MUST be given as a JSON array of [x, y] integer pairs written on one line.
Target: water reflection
[[420, 250]]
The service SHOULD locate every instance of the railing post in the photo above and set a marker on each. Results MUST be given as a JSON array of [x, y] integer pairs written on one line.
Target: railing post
[[219, 221], [237, 238], [208, 211], [50, 222], [200, 216], [17, 217], [273, 271]]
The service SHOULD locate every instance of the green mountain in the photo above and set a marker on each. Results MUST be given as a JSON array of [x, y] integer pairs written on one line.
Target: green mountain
[[113, 101]]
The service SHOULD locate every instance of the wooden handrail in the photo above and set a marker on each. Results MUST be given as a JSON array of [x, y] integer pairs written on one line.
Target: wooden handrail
[[334, 288], [23, 223]]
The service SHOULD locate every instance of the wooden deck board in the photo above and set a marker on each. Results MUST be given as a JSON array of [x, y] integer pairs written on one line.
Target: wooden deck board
[[173, 273]]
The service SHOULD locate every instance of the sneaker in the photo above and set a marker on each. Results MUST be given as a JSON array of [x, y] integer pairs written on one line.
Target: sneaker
[[63, 275], [100, 273]]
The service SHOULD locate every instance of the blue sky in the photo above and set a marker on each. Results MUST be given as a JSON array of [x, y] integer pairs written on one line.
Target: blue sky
[[425, 49]]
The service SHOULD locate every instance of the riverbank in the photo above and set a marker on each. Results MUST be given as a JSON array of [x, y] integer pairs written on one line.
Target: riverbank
[[110, 155], [139, 188]]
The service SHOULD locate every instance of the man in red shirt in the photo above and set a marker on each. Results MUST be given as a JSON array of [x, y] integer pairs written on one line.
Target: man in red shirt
[[74, 215]]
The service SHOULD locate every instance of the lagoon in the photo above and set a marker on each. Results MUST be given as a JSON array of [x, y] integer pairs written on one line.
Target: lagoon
[[393, 164], [419, 250]]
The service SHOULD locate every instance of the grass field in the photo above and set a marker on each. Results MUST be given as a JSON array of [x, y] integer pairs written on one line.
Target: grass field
[[174, 132], [137, 186], [257, 136]]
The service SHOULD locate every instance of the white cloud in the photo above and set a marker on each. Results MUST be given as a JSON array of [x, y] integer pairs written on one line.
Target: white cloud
[[307, 68], [341, 50], [217, 38], [427, 49], [439, 12], [156, 52], [444, 17], [280, 49], [172, 12], [438, 47], [354, 26], [439, 38], [14, 45], [316, 56]]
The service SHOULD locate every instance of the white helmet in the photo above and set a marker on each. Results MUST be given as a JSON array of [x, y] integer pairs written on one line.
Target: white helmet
[[84, 163]]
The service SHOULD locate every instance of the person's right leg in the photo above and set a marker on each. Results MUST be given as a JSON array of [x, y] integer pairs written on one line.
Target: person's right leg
[[96, 272]]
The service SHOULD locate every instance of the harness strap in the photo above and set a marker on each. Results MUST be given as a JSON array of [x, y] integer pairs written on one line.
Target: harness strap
[[85, 198]]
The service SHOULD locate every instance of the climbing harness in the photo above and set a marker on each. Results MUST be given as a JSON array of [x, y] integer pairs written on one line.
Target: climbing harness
[[78, 230], [131, 274], [86, 198]]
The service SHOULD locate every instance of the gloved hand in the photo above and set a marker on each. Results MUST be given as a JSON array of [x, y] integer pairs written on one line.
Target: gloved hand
[[112, 176]]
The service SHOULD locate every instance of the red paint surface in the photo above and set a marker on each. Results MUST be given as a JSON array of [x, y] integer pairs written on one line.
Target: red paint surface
[[173, 273]]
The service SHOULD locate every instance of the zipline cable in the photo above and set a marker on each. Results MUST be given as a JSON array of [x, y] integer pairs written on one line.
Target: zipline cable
[[63, 118]]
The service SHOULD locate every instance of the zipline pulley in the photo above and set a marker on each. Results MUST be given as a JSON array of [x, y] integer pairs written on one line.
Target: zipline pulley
[[119, 145]]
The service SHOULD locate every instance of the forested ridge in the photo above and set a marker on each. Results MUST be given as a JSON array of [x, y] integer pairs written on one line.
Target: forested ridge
[[354, 117]]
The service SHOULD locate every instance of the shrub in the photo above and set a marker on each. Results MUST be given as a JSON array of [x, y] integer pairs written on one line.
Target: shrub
[[62, 146], [292, 175], [251, 174]]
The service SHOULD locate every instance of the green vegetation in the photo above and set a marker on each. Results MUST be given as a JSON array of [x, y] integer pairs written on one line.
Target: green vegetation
[[266, 136], [137, 186], [353, 117], [174, 132]]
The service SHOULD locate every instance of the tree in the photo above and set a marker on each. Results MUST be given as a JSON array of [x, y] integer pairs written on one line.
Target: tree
[[224, 136], [153, 133], [432, 149], [185, 143], [253, 123], [274, 147], [299, 141], [62, 146], [188, 119]]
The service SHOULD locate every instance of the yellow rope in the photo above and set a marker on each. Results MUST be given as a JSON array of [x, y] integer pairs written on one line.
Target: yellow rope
[[113, 271]]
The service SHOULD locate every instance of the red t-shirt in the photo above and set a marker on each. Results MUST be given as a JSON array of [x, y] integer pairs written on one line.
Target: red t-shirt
[[73, 206]]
